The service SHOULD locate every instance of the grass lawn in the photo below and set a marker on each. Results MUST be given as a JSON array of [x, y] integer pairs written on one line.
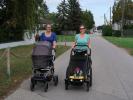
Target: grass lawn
[[21, 68], [126, 43], [67, 38]]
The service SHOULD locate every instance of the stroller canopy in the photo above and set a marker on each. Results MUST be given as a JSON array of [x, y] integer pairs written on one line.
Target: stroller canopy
[[42, 48]]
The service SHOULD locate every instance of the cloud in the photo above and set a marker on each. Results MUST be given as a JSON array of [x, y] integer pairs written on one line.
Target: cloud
[[52, 4]]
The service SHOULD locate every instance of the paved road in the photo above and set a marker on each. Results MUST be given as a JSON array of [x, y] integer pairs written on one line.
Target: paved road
[[112, 77]]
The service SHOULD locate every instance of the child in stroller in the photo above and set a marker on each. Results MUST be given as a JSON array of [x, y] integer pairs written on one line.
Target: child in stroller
[[43, 66], [79, 70]]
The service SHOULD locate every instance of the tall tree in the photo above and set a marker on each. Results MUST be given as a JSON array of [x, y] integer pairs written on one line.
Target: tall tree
[[74, 15], [42, 9], [62, 15], [16, 16], [87, 19], [117, 11]]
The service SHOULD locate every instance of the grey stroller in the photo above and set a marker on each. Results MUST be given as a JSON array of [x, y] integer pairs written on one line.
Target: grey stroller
[[43, 65]]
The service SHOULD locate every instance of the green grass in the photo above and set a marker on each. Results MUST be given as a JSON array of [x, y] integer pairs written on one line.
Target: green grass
[[67, 38], [126, 43], [21, 68]]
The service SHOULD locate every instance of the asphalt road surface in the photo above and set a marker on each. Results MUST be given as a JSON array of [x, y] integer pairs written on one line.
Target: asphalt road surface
[[112, 77]]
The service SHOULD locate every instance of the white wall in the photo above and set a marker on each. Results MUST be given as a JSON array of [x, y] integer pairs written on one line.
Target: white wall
[[116, 26]]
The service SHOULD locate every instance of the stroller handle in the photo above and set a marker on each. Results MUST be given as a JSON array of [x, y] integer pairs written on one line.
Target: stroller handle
[[85, 46], [54, 49]]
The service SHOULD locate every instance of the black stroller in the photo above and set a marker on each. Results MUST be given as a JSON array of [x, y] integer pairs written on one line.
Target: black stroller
[[79, 70], [43, 66]]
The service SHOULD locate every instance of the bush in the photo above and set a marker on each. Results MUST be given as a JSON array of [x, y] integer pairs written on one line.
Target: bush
[[10, 35], [107, 30], [128, 26], [116, 33]]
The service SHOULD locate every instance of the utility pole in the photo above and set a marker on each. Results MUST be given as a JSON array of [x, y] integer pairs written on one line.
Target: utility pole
[[123, 14], [110, 16], [104, 19]]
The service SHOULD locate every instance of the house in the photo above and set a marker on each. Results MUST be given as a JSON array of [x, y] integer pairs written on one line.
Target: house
[[116, 26], [42, 23], [127, 31]]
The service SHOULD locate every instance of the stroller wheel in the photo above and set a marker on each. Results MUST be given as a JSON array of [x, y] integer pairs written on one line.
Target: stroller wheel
[[32, 86], [46, 87], [87, 86], [90, 76], [66, 85], [52, 70], [55, 79]]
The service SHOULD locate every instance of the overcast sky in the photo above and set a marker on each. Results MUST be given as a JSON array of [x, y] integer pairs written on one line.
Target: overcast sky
[[97, 7]]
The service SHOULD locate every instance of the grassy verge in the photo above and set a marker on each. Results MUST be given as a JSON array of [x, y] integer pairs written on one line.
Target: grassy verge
[[68, 38], [20, 68], [126, 43]]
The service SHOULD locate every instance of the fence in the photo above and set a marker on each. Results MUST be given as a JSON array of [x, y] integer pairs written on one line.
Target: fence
[[7, 54], [128, 32]]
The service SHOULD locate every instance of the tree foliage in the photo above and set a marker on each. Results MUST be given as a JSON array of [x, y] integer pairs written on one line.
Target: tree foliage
[[62, 15], [74, 15], [117, 11], [71, 16], [19, 15], [87, 19]]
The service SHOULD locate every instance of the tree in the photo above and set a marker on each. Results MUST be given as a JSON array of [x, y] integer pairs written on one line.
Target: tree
[[117, 11], [74, 15], [43, 10], [70, 16], [62, 15], [87, 19], [53, 17], [16, 16]]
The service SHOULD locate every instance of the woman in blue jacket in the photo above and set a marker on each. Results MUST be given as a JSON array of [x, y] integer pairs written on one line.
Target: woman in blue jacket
[[49, 36]]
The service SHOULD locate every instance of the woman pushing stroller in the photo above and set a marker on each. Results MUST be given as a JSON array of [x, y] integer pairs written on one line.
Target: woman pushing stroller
[[79, 69], [48, 36], [43, 59]]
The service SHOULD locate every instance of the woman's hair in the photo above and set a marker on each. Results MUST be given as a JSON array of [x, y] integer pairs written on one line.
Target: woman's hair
[[82, 25], [47, 25]]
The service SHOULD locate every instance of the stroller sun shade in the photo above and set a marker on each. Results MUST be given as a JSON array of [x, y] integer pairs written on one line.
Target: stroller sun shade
[[42, 48]]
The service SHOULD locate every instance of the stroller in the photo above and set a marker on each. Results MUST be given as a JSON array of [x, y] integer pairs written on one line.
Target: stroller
[[79, 70], [43, 65]]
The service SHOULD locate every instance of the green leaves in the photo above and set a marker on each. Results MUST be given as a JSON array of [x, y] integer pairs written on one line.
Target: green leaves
[[117, 11], [71, 16], [87, 19], [19, 15]]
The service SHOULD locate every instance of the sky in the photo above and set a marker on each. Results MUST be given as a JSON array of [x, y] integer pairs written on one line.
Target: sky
[[97, 7]]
